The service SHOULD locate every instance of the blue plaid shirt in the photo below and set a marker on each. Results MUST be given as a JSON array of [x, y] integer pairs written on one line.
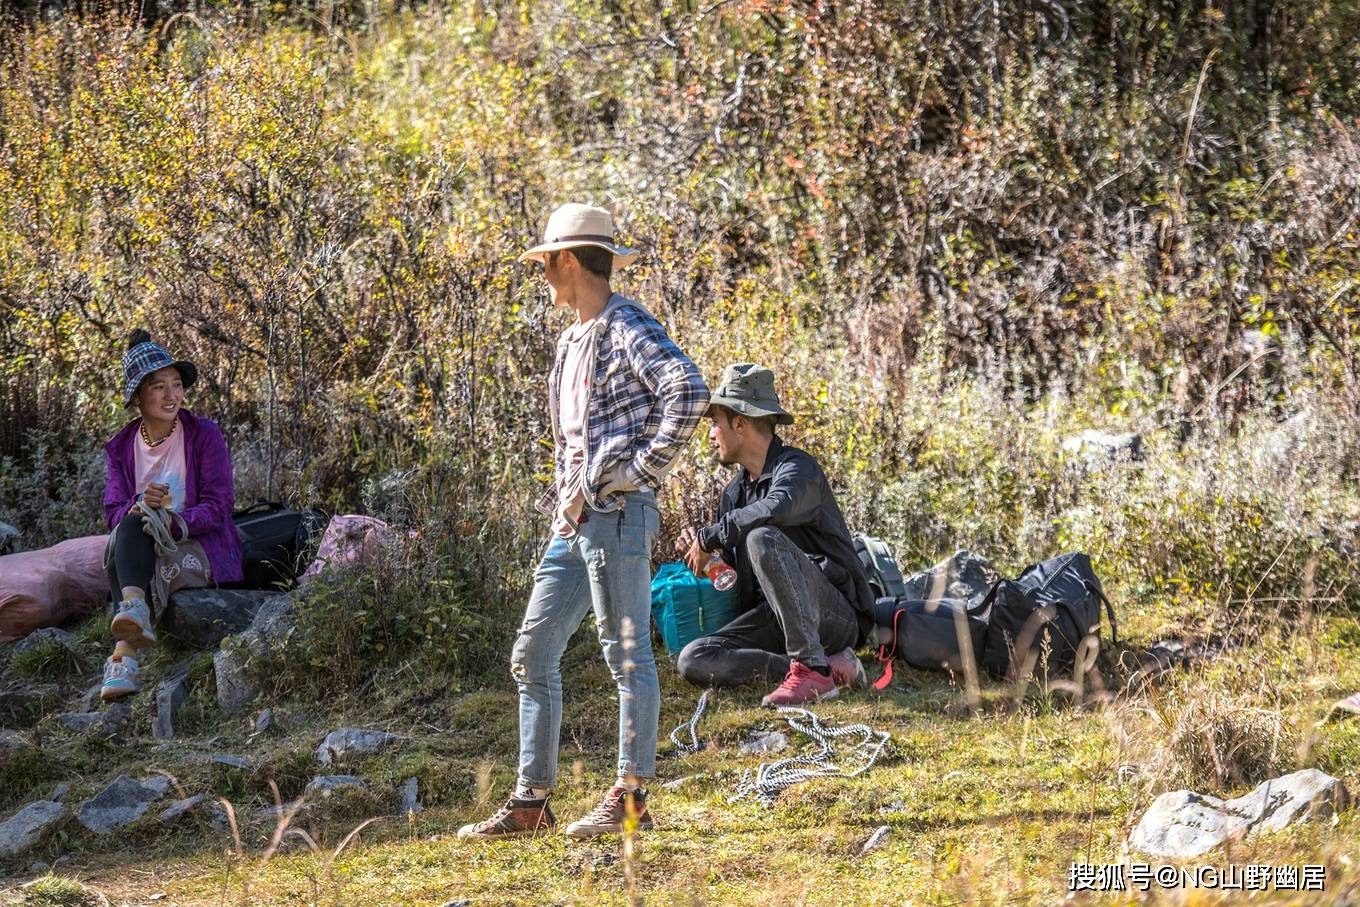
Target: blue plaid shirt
[[645, 401]]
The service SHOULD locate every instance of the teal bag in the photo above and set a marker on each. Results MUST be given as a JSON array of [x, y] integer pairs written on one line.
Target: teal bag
[[686, 607]]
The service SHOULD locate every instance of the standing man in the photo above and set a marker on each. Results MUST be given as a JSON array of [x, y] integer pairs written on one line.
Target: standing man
[[800, 583], [624, 401]]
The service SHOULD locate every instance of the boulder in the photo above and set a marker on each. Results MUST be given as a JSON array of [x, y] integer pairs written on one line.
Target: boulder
[[236, 687], [9, 538], [325, 785], [263, 721], [1186, 824], [176, 811], [963, 576], [202, 618], [766, 742], [349, 743], [1095, 450], [169, 697], [108, 723], [410, 796], [121, 803], [29, 825], [43, 637]]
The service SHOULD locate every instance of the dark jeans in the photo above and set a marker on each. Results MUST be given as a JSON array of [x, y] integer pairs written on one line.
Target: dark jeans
[[134, 558], [802, 618]]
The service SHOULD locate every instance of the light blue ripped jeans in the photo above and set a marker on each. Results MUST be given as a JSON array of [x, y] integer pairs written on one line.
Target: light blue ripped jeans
[[605, 566]]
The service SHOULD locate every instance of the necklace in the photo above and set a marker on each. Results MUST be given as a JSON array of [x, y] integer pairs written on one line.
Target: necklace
[[146, 436]]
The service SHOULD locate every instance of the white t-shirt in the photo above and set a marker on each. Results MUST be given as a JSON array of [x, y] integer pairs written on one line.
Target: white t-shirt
[[573, 394]]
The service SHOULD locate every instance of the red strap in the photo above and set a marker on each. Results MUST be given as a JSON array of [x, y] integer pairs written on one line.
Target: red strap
[[885, 657]]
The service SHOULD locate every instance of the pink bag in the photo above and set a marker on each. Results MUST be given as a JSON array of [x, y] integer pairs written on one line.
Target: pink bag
[[349, 541], [45, 588]]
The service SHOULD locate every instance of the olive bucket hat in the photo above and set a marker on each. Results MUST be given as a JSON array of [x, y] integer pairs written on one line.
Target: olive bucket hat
[[146, 358], [749, 389]]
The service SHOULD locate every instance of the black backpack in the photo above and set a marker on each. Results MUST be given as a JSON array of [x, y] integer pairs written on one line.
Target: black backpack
[[1042, 616], [885, 577], [929, 634], [277, 543]]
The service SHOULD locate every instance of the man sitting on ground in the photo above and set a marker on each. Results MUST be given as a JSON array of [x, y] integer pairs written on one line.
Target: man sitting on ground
[[800, 584]]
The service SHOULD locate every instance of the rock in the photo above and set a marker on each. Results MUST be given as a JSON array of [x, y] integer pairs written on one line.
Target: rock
[[876, 840], [229, 761], [1186, 824], [348, 743], [464, 902], [108, 724], [963, 576], [28, 826], [681, 782], [202, 618], [121, 803], [274, 621], [236, 688], [43, 637], [263, 721], [410, 796], [1097, 449], [169, 697], [176, 811], [10, 743], [766, 742], [9, 539], [59, 792], [325, 785], [39, 868]]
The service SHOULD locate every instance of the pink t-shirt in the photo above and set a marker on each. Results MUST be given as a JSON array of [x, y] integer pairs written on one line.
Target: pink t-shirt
[[572, 396], [162, 463]]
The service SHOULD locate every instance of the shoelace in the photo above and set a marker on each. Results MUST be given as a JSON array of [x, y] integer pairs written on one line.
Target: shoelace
[[605, 808], [119, 670], [795, 677]]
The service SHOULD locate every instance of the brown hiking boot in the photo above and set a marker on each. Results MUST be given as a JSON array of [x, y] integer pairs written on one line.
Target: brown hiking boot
[[616, 809], [516, 818]]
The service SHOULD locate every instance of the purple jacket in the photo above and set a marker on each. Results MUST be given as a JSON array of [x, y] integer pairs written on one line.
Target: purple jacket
[[208, 491]]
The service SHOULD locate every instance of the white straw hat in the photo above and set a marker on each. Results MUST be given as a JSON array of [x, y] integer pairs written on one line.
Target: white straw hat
[[580, 225]]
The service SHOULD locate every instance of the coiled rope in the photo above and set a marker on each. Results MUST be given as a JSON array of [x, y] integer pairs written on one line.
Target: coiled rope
[[837, 751]]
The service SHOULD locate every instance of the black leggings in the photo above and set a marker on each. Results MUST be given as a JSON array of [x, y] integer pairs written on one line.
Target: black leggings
[[134, 557]]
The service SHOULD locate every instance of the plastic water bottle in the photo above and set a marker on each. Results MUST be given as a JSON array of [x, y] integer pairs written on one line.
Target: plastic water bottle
[[720, 573]]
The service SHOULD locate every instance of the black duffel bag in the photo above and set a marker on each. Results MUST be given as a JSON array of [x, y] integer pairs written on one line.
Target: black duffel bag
[[937, 635], [277, 543], [1043, 616]]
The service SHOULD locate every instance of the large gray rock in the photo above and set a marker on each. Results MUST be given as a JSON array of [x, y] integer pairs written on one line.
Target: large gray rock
[[28, 826], [43, 637], [963, 576], [325, 785], [1186, 824], [410, 796], [202, 618], [107, 723], [1095, 450], [9, 539], [349, 743], [169, 697], [121, 803], [236, 686]]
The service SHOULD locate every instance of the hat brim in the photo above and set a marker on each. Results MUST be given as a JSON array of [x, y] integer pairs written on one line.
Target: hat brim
[[188, 374], [747, 408], [623, 256]]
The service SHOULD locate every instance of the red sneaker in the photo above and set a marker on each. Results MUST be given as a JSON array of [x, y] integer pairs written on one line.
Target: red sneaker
[[517, 817], [612, 814], [847, 670], [801, 684]]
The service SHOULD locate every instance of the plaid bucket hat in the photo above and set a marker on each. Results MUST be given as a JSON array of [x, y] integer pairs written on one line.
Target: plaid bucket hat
[[148, 357]]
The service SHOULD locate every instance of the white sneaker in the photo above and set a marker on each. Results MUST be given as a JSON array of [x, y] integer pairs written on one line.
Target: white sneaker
[[132, 623], [122, 677]]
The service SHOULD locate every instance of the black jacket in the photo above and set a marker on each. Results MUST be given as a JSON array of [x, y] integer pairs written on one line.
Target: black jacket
[[792, 494]]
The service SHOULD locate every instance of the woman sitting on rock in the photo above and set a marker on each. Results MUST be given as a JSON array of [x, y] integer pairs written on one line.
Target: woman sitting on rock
[[168, 502]]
